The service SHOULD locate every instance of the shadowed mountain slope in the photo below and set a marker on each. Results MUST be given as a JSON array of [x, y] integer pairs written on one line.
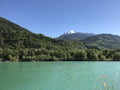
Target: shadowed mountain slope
[[103, 41], [14, 36]]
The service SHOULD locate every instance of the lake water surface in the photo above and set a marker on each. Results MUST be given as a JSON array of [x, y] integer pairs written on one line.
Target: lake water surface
[[60, 76]]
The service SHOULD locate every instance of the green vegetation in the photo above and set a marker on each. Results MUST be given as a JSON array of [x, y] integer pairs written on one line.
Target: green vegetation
[[58, 55], [19, 44], [103, 41]]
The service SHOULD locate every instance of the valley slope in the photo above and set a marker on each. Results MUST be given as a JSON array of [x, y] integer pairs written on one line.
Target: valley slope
[[20, 44], [92, 41], [14, 36]]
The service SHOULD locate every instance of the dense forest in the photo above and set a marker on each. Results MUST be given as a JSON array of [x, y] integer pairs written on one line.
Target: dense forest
[[19, 44], [43, 54]]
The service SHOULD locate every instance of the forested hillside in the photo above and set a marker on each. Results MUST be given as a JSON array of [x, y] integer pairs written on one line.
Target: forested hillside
[[103, 41], [19, 44], [14, 36]]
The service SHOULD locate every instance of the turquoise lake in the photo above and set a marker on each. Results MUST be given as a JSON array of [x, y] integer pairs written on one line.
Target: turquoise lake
[[60, 76]]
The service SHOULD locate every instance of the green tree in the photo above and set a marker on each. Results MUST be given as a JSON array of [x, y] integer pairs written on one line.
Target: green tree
[[101, 57], [92, 55], [81, 55], [116, 56]]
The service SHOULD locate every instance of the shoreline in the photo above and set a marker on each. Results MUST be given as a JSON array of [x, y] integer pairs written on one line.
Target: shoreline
[[67, 61]]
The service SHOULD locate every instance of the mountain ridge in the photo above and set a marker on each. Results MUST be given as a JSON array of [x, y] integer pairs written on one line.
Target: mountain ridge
[[19, 44], [103, 41], [74, 36], [94, 41], [15, 36]]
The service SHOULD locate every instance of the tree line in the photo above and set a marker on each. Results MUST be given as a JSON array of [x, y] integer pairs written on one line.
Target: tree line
[[43, 54]]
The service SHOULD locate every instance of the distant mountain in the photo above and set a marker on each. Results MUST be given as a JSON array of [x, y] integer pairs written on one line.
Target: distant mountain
[[70, 32], [92, 41], [14, 36], [72, 35], [103, 41]]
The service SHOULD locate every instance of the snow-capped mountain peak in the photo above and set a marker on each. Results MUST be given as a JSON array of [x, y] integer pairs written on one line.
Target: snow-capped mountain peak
[[70, 32], [72, 35]]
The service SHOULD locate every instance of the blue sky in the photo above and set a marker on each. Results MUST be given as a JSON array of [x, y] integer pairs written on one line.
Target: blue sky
[[54, 17]]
